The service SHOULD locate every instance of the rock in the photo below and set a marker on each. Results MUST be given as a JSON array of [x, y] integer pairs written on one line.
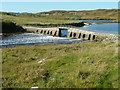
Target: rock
[[112, 38], [43, 60], [33, 88]]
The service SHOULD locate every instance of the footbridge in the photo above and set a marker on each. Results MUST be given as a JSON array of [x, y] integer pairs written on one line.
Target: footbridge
[[57, 31]]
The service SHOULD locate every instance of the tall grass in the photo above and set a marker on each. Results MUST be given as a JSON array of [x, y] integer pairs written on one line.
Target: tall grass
[[88, 65]]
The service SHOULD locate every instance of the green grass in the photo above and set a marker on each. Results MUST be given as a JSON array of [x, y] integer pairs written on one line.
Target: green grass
[[88, 65], [111, 14], [61, 18], [23, 20]]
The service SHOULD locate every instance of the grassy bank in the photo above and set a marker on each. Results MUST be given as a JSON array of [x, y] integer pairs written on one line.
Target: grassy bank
[[10, 28], [87, 65], [28, 20], [61, 17]]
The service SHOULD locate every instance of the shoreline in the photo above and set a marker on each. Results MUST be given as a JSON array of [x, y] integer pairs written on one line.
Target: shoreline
[[102, 36], [4, 35], [111, 38], [110, 20]]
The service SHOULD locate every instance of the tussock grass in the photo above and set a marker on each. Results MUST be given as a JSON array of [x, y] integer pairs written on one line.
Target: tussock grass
[[88, 65]]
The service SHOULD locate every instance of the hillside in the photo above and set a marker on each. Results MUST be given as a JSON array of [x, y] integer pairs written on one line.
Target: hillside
[[111, 14], [31, 19], [60, 17]]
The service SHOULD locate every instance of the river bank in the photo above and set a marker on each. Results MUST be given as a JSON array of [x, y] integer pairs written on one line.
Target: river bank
[[111, 34], [38, 39], [10, 28], [88, 65], [83, 65]]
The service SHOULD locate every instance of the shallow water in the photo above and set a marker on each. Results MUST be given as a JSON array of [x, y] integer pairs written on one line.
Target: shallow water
[[36, 39]]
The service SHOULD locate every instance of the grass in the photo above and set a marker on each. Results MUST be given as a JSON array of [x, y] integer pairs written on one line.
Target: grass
[[110, 14], [88, 65], [61, 18], [23, 20]]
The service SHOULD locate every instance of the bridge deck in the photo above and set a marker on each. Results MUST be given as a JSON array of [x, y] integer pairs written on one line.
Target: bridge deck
[[72, 32]]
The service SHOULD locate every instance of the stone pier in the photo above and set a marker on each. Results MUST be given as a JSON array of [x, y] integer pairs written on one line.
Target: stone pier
[[72, 32]]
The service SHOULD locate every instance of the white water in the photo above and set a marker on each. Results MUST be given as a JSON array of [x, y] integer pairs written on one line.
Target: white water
[[35, 39]]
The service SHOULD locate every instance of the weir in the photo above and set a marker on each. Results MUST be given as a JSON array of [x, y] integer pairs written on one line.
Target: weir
[[64, 32]]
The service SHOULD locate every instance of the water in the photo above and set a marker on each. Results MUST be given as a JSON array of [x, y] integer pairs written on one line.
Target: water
[[64, 32], [103, 28], [36, 39], [93, 21]]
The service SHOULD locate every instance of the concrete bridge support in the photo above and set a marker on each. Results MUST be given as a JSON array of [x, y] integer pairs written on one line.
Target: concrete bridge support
[[72, 33], [80, 35]]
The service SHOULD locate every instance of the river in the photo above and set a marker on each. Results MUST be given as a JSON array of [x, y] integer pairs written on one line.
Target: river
[[103, 28], [36, 39]]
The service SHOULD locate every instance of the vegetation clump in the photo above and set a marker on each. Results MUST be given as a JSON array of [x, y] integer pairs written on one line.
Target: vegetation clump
[[10, 27]]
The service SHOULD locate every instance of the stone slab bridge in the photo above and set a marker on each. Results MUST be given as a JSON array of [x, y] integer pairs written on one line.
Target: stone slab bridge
[[71, 32]]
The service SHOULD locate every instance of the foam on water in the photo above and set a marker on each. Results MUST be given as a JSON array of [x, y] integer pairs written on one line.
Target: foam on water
[[35, 39]]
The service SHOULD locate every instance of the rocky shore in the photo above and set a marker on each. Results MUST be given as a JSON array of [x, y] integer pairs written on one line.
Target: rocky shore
[[113, 38]]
